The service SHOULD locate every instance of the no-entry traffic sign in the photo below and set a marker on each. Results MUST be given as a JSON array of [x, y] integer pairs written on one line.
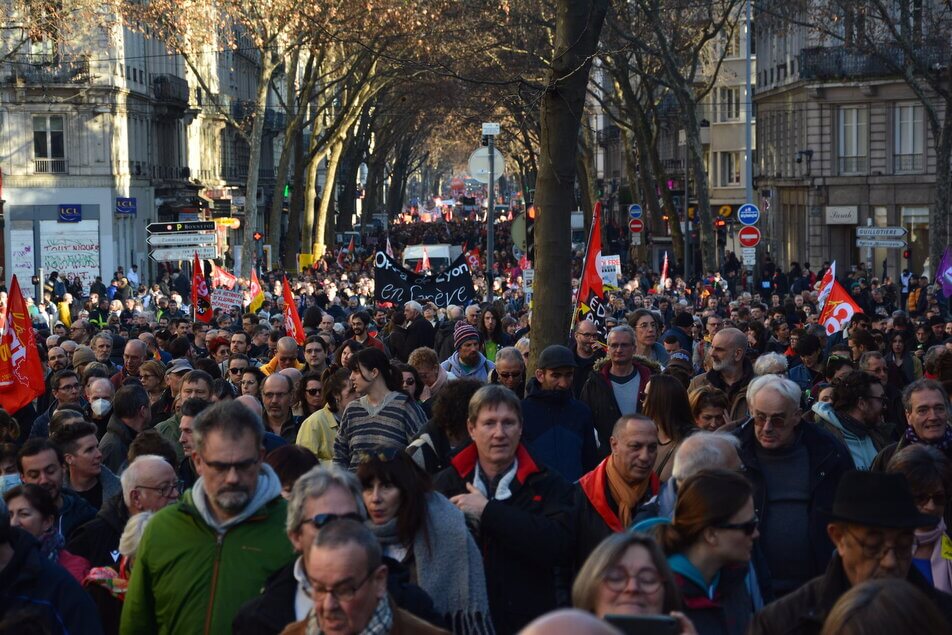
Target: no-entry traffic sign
[[636, 225], [749, 236]]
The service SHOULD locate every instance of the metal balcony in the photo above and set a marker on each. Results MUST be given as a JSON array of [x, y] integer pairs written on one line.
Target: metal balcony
[[170, 89], [840, 62], [274, 120], [907, 162], [242, 109], [48, 69], [49, 166]]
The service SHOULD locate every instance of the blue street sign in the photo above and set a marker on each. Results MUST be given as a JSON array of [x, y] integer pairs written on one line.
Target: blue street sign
[[748, 214], [634, 210], [70, 213], [126, 206]]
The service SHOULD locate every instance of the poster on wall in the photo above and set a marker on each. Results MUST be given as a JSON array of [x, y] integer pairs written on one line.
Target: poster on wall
[[72, 250], [23, 258]]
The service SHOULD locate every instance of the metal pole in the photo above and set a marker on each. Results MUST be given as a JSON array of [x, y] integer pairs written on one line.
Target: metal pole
[[748, 116], [490, 218], [687, 220]]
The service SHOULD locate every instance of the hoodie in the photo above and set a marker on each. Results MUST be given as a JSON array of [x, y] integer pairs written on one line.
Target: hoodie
[[480, 371], [861, 442], [269, 486]]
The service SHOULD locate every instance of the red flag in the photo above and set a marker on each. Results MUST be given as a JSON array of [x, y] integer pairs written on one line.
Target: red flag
[[419, 267], [472, 259], [838, 310], [591, 293], [201, 298], [664, 272], [292, 321], [826, 285], [221, 278], [389, 248], [426, 260], [21, 372]]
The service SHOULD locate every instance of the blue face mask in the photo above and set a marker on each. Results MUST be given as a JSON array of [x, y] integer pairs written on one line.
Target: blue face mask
[[8, 482]]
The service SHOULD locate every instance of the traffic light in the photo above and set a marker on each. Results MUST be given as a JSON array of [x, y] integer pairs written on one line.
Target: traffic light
[[485, 141], [530, 233], [907, 254], [720, 223], [257, 235]]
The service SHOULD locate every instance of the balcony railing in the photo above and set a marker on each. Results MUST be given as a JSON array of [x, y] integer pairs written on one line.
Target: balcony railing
[[49, 166], [274, 120], [242, 109], [840, 62], [907, 162], [44, 69], [852, 165], [170, 89]]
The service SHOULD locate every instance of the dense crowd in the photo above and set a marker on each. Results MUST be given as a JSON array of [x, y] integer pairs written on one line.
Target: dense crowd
[[719, 464]]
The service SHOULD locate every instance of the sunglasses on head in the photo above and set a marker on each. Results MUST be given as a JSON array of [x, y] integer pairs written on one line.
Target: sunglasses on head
[[384, 454], [322, 520]]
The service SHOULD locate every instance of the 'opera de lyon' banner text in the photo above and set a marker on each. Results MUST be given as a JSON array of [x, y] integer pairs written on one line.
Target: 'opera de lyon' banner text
[[393, 283]]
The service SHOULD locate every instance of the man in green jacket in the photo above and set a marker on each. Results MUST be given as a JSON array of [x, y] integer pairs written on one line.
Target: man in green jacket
[[200, 559]]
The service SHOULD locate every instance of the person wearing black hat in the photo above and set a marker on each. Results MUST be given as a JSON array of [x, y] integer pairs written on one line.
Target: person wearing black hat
[[873, 523], [681, 329], [557, 428]]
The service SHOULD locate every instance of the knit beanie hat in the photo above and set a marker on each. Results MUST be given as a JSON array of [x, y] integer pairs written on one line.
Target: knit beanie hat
[[464, 332], [83, 355]]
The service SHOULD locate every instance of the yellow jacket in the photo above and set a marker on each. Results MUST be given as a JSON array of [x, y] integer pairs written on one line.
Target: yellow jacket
[[318, 433], [272, 366]]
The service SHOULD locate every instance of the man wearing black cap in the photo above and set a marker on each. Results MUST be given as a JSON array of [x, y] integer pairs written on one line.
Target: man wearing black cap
[[681, 329], [873, 528], [557, 428]]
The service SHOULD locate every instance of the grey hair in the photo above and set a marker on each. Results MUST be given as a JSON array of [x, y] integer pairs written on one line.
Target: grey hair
[[788, 389], [315, 483], [132, 534], [770, 364], [918, 386], [342, 532], [510, 354], [102, 335], [453, 312], [413, 304], [623, 328], [868, 355], [230, 418], [131, 475], [703, 450]]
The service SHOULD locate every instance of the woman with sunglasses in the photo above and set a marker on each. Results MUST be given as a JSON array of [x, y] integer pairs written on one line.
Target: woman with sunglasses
[[309, 399], [412, 386], [709, 544], [319, 431], [383, 416], [422, 530]]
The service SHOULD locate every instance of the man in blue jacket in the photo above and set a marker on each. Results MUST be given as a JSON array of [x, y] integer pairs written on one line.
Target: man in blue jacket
[[558, 429]]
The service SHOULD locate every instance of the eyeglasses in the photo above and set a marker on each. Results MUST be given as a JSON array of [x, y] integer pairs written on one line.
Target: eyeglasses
[[938, 499], [235, 371], [68, 387], [644, 326], [165, 490], [901, 546], [587, 335], [616, 579], [748, 527], [342, 593], [509, 375], [313, 391], [320, 520], [275, 395], [776, 421]]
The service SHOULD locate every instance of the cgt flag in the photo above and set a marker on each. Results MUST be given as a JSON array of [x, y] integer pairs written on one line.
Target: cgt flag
[[292, 320], [256, 293], [21, 372], [221, 278], [201, 298], [838, 309], [591, 293], [826, 285]]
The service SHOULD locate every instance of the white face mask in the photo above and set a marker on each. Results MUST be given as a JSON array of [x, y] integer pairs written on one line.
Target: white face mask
[[8, 482], [100, 407]]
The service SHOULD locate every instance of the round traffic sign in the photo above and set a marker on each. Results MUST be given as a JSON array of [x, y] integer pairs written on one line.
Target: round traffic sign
[[749, 236], [634, 210], [636, 225], [748, 214], [725, 211]]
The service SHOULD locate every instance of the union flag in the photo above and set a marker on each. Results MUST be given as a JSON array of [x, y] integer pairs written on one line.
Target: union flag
[[838, 309], [292, 320], [591, 293], [201, 297], [21, 372]]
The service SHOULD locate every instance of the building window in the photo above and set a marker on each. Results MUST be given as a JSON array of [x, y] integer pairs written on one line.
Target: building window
[[729, 167], [49, 148], [853, 142], [908, 136], [733, 44], [728, 105]]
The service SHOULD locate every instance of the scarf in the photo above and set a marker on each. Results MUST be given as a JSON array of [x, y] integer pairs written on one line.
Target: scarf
[[939, 560], [51, 543], [381, 622], [944, 444], [448, 566], [625, 494]]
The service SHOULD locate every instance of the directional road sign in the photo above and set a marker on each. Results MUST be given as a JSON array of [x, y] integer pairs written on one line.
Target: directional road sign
[[173, 254], [636, 225], [881, 244], [479, 164], [749, 236], [181, 240], [184, 226], [635, 211], [748, 214], [880, 232]]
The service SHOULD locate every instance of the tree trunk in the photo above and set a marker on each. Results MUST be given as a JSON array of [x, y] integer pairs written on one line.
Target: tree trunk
[[372, 187], [248, 247], [296, 204], [578, 26], [310, 199], [327, 200], [585, 175], [940, 219]]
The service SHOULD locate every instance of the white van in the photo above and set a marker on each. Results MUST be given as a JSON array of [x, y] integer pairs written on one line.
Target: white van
[[440, 256]]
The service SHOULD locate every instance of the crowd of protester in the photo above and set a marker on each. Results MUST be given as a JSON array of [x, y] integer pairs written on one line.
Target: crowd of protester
[[719, 464]]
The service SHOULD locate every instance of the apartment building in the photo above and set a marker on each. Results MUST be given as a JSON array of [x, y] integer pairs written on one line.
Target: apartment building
[[102, 135], [844, 144]]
